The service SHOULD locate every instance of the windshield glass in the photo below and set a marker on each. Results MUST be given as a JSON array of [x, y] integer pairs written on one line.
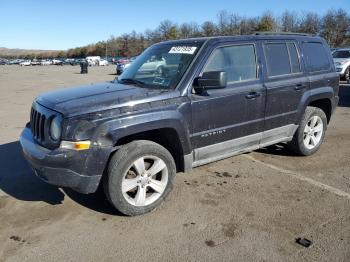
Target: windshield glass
[[161, 66], [341, 54]]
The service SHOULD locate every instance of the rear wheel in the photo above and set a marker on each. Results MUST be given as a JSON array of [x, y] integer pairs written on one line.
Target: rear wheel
[[140, 175], [310, 133]]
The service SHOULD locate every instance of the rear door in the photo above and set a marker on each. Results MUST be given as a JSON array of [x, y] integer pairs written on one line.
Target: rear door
[[285, 83]]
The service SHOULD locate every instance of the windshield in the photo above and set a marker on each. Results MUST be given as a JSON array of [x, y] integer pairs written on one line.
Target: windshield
[[161, 66], [341, 54]]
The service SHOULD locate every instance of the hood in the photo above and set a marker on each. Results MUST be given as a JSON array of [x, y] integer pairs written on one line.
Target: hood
[[96, 97], [339, 60]]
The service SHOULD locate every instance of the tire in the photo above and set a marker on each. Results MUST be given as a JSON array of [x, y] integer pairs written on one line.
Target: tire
[[131, 190], [347, 75], [307, 140]]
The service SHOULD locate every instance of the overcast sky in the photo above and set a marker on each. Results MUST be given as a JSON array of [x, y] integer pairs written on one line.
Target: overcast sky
[[64, 24]]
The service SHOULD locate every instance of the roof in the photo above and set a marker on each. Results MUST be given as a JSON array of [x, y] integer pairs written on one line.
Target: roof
[[260, 36]]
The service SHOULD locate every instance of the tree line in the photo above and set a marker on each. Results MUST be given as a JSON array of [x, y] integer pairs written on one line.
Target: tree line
[[334, 26]]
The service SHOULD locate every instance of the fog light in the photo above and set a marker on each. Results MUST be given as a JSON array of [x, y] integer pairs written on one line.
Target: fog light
[[79, 145]]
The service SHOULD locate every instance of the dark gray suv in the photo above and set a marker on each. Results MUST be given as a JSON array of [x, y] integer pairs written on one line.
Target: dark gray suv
[[214, 98]]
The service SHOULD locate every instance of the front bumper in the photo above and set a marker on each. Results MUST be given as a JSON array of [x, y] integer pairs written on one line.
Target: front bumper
[[59, 167]]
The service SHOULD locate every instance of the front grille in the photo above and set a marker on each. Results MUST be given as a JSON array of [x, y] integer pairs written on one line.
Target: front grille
[[38, 123]]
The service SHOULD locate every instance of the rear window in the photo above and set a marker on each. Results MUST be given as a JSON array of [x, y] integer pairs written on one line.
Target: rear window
[[281, 58], [316, 57]]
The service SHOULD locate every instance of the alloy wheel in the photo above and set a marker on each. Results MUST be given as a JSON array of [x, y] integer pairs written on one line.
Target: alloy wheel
[[145, 181]]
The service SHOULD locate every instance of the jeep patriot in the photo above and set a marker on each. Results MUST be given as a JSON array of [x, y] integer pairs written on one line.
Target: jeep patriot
[[210, 98]]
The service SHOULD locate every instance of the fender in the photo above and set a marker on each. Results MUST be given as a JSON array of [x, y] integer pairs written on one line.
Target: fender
[[108, 133], [313, 95], [116, 129]]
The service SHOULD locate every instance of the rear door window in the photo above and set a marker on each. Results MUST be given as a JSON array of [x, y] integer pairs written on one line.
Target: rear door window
[[238, 61], [316, 57], [281, 59], [277, 59]]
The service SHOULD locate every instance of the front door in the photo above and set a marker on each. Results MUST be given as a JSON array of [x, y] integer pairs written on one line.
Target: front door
[[230, 119]]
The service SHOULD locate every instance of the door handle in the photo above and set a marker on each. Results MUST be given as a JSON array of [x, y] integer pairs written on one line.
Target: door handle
[[253, 95], [299, 87]]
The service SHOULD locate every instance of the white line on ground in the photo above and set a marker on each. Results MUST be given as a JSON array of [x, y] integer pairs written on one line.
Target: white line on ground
[[301, 177]]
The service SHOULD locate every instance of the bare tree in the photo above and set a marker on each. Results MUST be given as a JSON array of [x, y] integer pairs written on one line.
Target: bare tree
[[248, 26], [310, 23], [289, 22], [228, 23], [209, 28], [189, 30], [168, 30], [336, 24]]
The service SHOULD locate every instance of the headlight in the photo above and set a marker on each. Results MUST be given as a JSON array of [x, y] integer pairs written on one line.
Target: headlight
[[340, 63], [55, 129]]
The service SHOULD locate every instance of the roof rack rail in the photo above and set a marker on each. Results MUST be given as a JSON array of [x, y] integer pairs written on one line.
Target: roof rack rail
[[280, 33]]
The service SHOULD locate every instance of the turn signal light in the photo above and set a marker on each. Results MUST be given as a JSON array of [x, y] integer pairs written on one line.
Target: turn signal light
[[79, 145]]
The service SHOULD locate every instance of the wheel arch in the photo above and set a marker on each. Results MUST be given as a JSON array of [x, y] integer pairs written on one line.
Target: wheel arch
[[169, 129], [321, 98]]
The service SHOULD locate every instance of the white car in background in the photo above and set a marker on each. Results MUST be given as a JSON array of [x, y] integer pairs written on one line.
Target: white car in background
[[341, 58], [25, 63], [153, 65], [46, 62], [103, 62], [56, 62]]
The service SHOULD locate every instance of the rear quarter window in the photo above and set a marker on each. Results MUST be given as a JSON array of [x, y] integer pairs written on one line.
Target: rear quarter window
[[316, 57]]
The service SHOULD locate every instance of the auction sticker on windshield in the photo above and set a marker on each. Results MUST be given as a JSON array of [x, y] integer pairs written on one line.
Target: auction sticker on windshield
[[183, 50]]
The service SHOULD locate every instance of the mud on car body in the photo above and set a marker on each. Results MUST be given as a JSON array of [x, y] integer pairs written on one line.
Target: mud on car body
[[212, 99]]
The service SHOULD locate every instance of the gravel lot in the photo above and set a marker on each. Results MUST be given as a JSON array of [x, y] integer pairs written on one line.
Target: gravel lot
[[250, 207]]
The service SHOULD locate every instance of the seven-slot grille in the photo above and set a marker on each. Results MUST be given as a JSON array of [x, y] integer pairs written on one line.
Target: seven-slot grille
[[37, 123]]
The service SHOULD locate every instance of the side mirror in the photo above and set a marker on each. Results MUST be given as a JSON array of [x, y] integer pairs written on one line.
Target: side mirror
[[210, 80]]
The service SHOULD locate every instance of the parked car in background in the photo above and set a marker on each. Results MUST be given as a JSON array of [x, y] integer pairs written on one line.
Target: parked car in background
[[46, 62], [15, 61], [57, 62], [25, 63], [79, 61], [154, 65], [71, 61], [3, 62], [93, 60], [341, 58], [123, 64], [334, 49], [35, 62], [103, 62]]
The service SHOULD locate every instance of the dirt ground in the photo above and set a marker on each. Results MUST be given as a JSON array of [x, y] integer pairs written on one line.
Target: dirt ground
[[250, 207]]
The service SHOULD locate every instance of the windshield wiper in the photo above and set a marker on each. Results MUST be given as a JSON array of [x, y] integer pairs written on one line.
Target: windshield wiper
[[131, 81]]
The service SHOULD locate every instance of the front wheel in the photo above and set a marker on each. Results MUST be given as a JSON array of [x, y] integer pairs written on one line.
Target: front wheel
[[139, 176], [310, 133]]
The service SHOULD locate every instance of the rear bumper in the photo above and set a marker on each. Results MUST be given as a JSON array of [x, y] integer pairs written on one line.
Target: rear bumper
[[59, 167]]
